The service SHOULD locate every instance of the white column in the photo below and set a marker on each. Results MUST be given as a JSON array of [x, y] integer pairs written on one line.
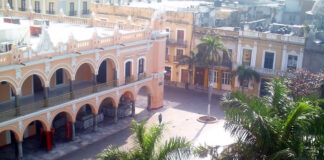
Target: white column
[[300, 59], [43, 6], [16, 5], [29, 6], [254, 54], [3, 5], [79, 8], [239, 53], [284, 58]]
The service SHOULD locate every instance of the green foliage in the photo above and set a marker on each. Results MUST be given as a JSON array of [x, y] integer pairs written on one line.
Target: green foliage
[[246, 74], [273, 127], [321, 103], [148, 148]]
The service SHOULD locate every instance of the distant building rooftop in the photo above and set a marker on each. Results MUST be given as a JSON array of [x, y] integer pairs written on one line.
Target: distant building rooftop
[[171, 5], [57, 32]]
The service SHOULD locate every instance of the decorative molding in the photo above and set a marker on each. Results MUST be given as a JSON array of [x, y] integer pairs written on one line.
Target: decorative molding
[[20, 126], [74, 108], [18, 73], [73, 61], [47, 66], [97, 56], [48, 115]]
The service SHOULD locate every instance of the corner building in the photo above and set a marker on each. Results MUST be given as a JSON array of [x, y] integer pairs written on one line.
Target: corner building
[[73, 73]]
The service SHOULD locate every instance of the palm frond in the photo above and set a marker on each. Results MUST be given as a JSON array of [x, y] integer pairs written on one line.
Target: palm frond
[[177, 144], [113, 153]]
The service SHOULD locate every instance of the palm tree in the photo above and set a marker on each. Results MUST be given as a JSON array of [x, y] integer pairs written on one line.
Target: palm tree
[[191, 61], [273, 127], [148, 148], [212, 56], [246, 74]]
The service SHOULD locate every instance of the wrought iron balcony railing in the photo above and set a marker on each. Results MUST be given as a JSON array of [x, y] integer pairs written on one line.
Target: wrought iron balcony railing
[[129, 79], [50, 12], [72, 13], [22, 9], [175, 42], [37, 11], [85, 12], [52, 101], [141, 76]]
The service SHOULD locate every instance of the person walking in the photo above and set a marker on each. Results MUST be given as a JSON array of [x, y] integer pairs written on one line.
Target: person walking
[[160, 119]]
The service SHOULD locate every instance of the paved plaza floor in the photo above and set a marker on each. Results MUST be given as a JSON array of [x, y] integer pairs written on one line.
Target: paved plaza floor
[[181, 110]]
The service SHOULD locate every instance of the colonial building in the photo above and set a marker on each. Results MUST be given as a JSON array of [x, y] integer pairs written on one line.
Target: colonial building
[[54, 7], [269, 54], [179, 24], [62, 74]]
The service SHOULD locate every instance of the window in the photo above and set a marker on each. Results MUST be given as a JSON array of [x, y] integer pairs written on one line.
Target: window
[[180, 35], [10, 4], [72, 12], [268, 60], [167, 76], [226, 78], [245, 84], [292, 62], [85, 6], [141, 66], [215, 76], [37, 10], [247, 53], [23, 5], [59, 76], [263, 86], [51, 7], [168, 30], [167, 54], [179, 53]]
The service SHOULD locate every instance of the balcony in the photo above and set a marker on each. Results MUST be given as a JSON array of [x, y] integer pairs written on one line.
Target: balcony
[[177, 58], [72, 13], [22, 9], [36, 102], [129, 79], [37, 11], [50, 12], [84, 12], [178, 43], [268, 71], [141, 76]]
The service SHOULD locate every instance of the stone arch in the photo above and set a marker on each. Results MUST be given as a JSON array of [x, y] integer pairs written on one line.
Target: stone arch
[[79, 106], [130, 94], [88, 61], [18, 135], [65, 67], [109, 56], [45, 125], [11, 83], [36, 72], [115, 103], [69, 115], [148, 87]]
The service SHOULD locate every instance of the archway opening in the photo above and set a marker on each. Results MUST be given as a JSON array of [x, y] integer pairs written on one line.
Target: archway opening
[[59, 83], [8, 145], [7, 96], [84, 76], [143, 99], [107, 72], [126, 105], [32, 89], [84, 118], [36, 137], [63, 128], [107, 111]]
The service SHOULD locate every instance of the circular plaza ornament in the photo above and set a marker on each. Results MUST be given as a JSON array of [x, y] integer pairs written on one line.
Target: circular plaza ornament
[[207, 119]]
